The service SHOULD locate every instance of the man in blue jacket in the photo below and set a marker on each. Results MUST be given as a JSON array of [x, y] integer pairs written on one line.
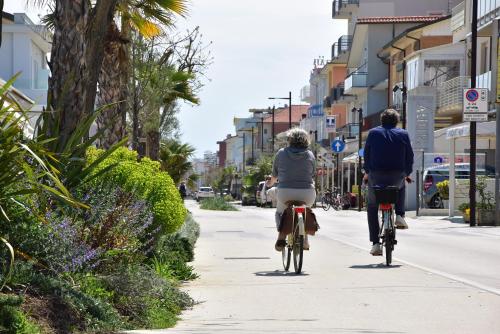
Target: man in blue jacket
[[388, 159]]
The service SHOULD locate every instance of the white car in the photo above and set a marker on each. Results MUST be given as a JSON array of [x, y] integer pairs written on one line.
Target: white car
[[204, 192]]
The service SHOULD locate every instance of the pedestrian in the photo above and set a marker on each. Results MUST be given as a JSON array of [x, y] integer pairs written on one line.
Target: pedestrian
[[183, 190]]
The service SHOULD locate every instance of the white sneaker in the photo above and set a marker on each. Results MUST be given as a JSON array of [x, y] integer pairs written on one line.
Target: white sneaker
[[401, 223], [376, 250]]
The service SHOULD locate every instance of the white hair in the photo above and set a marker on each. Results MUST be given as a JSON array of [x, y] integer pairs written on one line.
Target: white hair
[[298, 137]]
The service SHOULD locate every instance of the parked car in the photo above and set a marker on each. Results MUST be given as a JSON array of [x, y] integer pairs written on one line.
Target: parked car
[[204, 192], [434, 175], [261, 194]]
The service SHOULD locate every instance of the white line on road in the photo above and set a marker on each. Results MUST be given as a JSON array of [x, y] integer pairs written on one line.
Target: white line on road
[[430, 270]]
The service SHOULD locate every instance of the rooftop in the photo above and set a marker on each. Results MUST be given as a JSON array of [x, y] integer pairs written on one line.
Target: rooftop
[[281, 114], [398, 19]]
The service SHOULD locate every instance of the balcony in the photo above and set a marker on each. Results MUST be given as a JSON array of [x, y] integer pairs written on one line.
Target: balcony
[[450, 96], [484, 80], [348, 131], [341, 48], [458, 17], [355, 82], [342, 9], [487, 11]]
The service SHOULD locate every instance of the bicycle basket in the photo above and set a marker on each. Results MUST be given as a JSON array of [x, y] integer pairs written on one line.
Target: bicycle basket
[[386, 195]]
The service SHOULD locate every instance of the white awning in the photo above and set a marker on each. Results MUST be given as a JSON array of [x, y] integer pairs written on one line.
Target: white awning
[[351, 158], [484, 129]]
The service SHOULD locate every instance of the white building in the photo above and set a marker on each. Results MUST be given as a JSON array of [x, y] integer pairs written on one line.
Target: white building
[[24, 49]]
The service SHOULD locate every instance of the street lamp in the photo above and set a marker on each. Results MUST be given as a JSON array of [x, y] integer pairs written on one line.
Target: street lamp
[[360, 143], [289, 98], [244, 145]]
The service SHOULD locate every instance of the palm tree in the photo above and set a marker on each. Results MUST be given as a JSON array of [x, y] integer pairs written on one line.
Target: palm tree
[[143, 16], [174, 159], [80, 28]]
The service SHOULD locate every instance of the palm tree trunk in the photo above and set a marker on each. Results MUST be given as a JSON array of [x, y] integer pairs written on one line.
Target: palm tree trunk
[[110, 121], [76, 58]]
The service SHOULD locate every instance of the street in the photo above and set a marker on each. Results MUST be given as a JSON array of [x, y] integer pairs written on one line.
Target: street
[[445, 278]]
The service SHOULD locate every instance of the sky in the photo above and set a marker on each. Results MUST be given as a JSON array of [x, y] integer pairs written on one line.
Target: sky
[[261, 48]]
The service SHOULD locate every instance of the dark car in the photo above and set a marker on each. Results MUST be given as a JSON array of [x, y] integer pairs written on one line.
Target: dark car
[[433, 175], [248, 196]]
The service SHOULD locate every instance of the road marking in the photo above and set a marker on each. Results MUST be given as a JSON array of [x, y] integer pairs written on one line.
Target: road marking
[[430, 270], [247, 258]]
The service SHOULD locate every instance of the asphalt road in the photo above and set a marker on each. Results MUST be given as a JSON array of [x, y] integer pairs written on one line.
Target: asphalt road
[[444, 281]]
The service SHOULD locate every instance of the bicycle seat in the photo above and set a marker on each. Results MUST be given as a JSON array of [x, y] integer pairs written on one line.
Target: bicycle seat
[[295, 203]]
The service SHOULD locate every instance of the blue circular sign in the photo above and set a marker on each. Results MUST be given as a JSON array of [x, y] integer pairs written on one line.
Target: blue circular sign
[[361, 152], [338, 146], [472, 95]]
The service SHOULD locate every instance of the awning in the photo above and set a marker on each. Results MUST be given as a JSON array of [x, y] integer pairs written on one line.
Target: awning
[[483, 129], [351, 158]]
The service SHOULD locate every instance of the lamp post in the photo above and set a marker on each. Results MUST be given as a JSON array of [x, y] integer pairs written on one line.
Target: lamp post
[[244, 145], [360, 143], [289, 98], [472, 138]]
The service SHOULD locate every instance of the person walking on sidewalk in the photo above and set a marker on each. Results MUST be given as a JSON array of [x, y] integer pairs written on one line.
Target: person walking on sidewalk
[[294, 167], [388, 159]]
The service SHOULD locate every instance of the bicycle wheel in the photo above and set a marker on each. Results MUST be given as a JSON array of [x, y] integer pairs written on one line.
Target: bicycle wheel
[[389, 247], [298, 250], [286, 255], [325, 204]]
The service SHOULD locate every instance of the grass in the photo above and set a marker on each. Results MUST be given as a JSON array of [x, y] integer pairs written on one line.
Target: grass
[[217, 203]]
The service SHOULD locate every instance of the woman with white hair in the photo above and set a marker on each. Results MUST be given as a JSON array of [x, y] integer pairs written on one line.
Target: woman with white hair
[[294, 167]]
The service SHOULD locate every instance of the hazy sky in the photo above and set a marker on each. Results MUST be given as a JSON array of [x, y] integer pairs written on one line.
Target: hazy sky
[[261, 48]]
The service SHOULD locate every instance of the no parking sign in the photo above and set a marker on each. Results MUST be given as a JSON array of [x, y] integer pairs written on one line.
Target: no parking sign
[[475, 105]]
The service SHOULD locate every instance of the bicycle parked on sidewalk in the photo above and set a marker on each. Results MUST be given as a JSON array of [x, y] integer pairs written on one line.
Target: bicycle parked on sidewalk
[[386, 198], [331, 199]]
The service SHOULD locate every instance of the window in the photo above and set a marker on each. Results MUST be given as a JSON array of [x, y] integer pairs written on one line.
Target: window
[[412, 80], [485, 58], [36, 70], [437, 72], [265, 131]]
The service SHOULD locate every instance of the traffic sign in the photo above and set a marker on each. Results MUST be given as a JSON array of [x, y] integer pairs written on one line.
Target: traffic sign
[[438, 160], [361, 152], [475, 105], [338, 146]]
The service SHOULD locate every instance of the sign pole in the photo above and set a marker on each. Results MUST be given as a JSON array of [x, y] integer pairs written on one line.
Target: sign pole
[[473, 73]]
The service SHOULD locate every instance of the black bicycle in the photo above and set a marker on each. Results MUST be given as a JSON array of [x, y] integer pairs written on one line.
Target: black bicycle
[[386, 198], [331, 198]]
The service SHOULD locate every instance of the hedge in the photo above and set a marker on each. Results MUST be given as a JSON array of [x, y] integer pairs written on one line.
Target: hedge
[[144, 179]]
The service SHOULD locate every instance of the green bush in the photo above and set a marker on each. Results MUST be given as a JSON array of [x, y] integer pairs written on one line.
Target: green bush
[[217, 203], [144, 179], [12, 319], [464, 206]]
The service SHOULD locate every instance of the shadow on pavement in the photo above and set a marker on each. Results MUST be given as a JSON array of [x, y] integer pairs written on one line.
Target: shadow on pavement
[[374, 266], [278, 273]]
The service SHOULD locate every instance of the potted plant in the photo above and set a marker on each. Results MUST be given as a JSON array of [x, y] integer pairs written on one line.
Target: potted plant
[[444, 193], [486, 206], [464, 208]]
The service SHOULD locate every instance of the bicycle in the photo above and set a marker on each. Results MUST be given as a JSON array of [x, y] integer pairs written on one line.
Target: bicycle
[[386, 198], [295, 240], [331, 199]]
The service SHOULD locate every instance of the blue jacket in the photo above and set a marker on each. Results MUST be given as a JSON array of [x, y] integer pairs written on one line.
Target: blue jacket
[[388, 149]]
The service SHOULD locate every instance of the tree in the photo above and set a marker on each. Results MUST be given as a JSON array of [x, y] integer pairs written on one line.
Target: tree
[[80, 29], [165, 70], [144, 17], [175, 159]]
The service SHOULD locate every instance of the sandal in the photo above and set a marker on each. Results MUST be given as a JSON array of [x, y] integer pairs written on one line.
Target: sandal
[[280, 244]]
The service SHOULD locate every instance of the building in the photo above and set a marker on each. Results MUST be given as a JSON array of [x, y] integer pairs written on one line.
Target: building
[[25, 47]]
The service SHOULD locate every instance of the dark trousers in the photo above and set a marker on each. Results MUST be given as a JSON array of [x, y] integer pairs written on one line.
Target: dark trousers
[[383, 179]]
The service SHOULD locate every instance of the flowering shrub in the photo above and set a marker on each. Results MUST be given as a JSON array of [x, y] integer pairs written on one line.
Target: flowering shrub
[[144, 179]]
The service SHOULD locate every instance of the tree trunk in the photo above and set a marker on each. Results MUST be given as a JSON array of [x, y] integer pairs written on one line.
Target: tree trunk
[[110, 120], [153, 138], [76, 58]]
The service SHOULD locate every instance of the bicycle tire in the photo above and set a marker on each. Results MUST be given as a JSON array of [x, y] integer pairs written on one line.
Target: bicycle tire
[[286, 255], [325, 204], [298, 253], [389, 246]]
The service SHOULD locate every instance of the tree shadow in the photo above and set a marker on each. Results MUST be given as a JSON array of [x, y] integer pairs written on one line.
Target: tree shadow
[[278, 273], [375, 266]]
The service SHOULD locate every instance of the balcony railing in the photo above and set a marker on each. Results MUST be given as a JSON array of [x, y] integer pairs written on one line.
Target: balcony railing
[[487, 11], [342, 46], [340, 5], [336, 93], [355, 80], [458, 16], [450, 95]]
